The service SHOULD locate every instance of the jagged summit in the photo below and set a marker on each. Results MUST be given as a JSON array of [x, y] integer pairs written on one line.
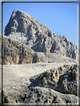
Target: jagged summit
[[20, 22], [26, 29]]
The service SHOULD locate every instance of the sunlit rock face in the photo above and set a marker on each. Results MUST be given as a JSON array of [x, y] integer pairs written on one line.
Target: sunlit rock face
[[15, 52], [37, 36], [18, 53]]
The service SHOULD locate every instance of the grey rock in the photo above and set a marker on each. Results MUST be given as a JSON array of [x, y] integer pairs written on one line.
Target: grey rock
[[37, 95], [15, 52], [68, 81], [63, 79], [26, 29]]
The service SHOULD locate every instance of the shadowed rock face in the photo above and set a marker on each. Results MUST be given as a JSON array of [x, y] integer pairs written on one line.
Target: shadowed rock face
[[17, 53], [68, 81], [26, 29], [62, 79]]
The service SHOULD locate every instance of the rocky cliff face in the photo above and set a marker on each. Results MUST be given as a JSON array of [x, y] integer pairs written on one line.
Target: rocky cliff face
[[15, 52], [37, 36], [58, 79]]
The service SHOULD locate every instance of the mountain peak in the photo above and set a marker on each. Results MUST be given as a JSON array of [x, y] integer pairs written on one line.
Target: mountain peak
[[37, 36]]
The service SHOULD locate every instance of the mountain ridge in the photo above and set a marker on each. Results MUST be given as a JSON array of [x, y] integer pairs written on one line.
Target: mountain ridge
[[15, 52], [37, 36]]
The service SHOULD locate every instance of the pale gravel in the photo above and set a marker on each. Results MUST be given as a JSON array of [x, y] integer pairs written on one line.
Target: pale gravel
[[28, 70]]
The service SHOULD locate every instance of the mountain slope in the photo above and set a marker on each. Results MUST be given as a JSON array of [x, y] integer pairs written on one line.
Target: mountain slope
[[15, 52], [37, 36]]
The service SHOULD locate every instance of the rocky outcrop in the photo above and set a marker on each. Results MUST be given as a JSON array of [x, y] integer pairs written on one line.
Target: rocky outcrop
[[27, 30], [28, 41], [15, 52], [43, 88], [62, 79], [68, 81], [39, 96]]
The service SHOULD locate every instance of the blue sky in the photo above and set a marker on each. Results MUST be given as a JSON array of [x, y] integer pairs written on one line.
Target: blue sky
[[61, 18]]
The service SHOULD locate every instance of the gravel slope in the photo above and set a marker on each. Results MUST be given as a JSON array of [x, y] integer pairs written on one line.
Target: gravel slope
[[28, 70]]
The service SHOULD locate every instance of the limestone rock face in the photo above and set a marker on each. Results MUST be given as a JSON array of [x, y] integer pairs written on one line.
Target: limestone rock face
[[68, 81], [62, 79], [26, 29], [17, 53]]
